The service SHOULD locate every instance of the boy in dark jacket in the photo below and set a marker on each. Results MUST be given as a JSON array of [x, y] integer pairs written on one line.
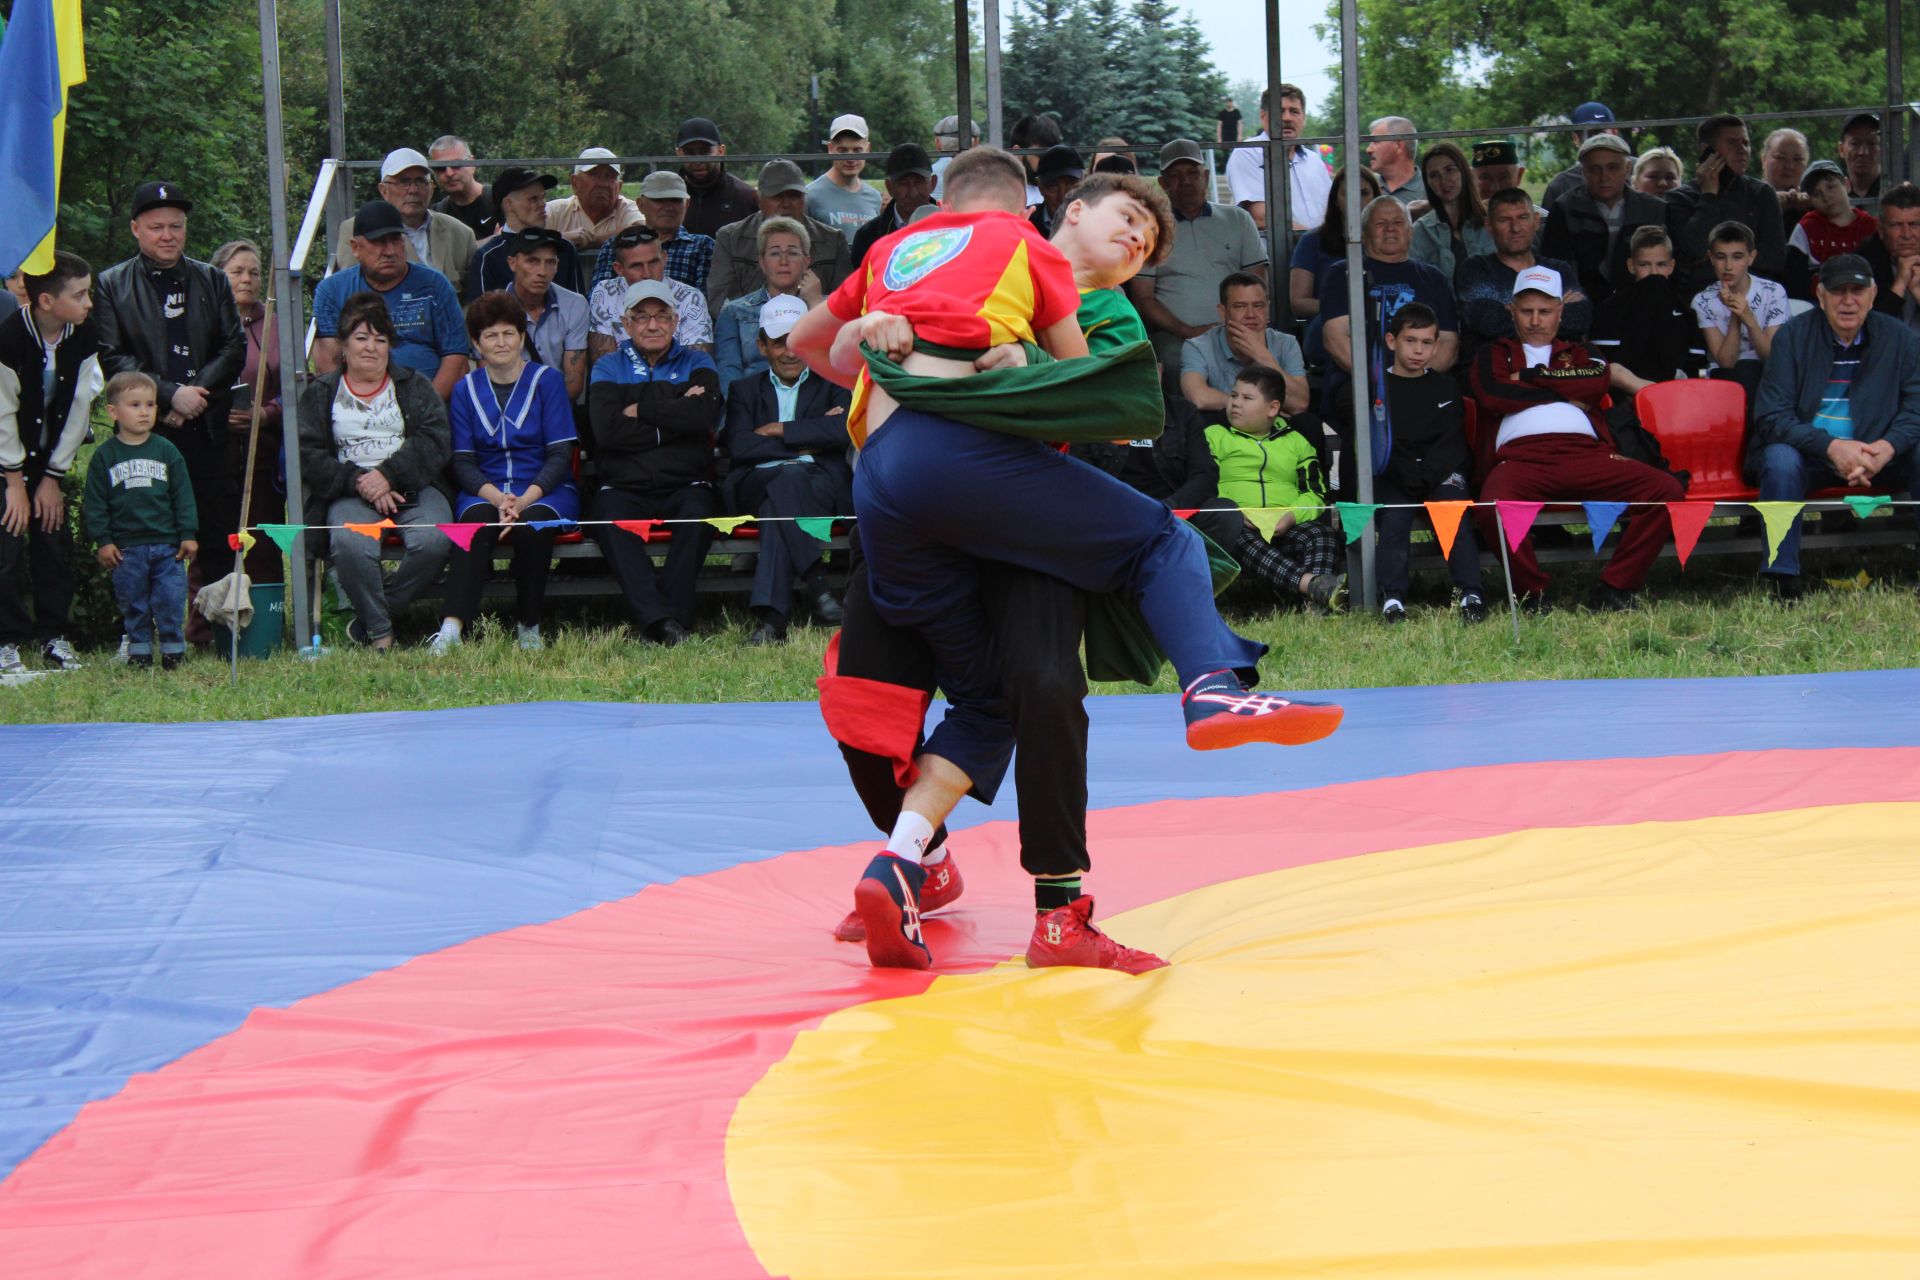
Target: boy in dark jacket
[[140, 514]]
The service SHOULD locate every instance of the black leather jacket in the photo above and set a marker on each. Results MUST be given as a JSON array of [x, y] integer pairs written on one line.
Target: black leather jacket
[[133, 333]]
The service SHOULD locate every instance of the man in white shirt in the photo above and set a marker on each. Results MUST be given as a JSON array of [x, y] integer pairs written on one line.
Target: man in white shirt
[[1308, 181]]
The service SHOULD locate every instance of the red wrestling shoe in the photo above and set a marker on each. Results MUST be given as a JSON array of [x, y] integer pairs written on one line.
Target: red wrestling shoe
[[887, 900], [1221, 713], [942, 888], [1066, 936]]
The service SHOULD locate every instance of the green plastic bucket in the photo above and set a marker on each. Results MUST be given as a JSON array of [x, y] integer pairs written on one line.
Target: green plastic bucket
[[268, 630]]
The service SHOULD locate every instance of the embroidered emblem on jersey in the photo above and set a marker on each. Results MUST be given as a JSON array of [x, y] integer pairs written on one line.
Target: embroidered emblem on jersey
[[923, 253]]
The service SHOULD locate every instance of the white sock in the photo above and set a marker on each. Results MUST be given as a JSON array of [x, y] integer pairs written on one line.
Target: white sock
[[911, 836], [935, 858], [450, 627]]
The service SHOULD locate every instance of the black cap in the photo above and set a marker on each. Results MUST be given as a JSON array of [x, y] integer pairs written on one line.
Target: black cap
[[697, 129], [159, 195], [527, 239], [909, 157], [1116, 163], [1820, 169], [1843, 269], [376, 220], [1060, 161], [1493, 152], [512, 180], [1867, 118]]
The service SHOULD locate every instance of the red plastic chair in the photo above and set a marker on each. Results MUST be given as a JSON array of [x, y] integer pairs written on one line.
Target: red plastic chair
[[1701, 424]]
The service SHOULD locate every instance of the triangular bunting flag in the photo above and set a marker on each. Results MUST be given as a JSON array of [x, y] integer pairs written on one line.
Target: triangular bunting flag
[[820, 527], [282, 534], [1778, 517], [1600, 518], [371, 530], [1185, 513], [551, 524], [646, 529], [1689, 518], [241, 542], [1355, 517], [1264, 519], [1517, 519], [462, 534], [1446, 523], [1865, 504], [727, 524]]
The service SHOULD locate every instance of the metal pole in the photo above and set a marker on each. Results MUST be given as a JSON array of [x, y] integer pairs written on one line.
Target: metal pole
[[1506, 570], [1279, 169], [287, 289], [990, 36], [1356, 286], [340, 200], [963, 73], [1893, 154]]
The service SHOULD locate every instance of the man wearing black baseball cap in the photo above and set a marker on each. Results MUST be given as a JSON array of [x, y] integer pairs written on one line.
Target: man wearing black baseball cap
[[1060, 167], [421, 302], [714, 196], [521, 197], [1839, 404], [909, 189], [172, 317], [1860, 153]]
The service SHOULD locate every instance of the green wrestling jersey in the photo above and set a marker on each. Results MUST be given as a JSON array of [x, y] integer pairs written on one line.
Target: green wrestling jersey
[[1109, 321]]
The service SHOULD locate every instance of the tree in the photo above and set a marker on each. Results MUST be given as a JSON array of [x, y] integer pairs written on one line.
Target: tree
[[1155, 107], [894, 65], [1055, 65]]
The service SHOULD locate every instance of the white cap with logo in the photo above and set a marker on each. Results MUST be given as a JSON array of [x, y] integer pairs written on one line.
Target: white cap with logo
[[1537, 280], [400, 160], [598, 156], [780, 313]]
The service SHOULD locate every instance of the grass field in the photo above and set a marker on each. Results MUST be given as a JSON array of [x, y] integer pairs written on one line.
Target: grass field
[[1708, 621]]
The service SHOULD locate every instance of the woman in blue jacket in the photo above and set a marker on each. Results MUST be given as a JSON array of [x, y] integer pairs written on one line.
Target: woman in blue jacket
[[513, 440]]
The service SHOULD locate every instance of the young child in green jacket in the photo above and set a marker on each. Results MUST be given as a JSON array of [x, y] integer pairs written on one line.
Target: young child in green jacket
[[1264, 463]]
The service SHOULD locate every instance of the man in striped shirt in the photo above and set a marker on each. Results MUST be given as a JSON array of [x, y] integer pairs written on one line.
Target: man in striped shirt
[[1838, 405]]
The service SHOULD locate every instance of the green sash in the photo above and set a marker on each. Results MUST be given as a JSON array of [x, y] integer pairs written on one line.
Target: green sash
[[1111, 395]]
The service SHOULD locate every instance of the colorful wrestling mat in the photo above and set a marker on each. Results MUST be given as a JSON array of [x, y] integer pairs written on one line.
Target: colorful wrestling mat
[[1577, 980]]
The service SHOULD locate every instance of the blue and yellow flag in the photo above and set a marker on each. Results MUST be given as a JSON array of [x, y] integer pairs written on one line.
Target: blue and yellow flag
[[41, 57]]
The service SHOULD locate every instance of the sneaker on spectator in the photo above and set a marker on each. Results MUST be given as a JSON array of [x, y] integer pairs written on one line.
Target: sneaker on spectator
[[887, 900], [443, 642], [10, 664], [942, 889], [528, 639], [120, 656], [1393, 613], [61, 654], [357, 631], [1065, 936], [1329, 591], [1221, 712], [140, 661], [1472, 608], [1609, 599], [171, 661], [1535, 604], [826, 610], [1786, 587], [766, 633]]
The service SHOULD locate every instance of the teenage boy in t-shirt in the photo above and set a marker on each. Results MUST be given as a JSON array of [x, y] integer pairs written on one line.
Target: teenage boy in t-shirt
[[1427, 461], [1738, 313]]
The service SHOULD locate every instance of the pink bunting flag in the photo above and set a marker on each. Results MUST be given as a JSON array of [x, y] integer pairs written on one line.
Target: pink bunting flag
[[461, 534], [374, 531], [1689, 518], [1446, 522], [1517, 519]]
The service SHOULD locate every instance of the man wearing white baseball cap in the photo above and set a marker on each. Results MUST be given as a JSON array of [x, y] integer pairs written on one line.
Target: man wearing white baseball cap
[[596, 210], [786, 438], [1544, 438], [436, 240], [840, 197]]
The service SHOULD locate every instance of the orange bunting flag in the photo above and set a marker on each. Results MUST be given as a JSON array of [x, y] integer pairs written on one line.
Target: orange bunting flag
[[461, 534], [727, 524], [371, 530], [1689, 518], [1446, 523], [646, 530], [1517, 519]]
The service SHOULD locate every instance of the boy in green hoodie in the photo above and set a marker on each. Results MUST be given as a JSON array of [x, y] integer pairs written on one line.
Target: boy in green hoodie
[[1266, 464]]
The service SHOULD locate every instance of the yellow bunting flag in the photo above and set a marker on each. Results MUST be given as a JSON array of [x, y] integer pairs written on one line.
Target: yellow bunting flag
[[372, 530], [1264, 519], [1446, 523], [727, 524], [241, 542], [1778, 517]]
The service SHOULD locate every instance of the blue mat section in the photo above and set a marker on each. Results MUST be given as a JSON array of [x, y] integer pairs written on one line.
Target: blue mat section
[[157, 882]]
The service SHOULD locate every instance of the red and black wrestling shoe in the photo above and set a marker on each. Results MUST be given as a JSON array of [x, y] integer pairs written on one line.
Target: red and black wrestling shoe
[[887, 900], [942, 888], [1222, 713], [1066, 936]]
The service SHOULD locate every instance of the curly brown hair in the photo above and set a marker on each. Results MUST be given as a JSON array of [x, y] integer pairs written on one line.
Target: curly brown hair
[[492, 308], [1096, 187]]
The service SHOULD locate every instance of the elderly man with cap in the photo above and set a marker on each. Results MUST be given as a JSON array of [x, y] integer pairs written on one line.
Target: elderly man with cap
[[421, 302], [689, 255], [1059, 169], [1860, 154], [736, 250], [840, 197], [946, 145], [1591, 227], [433, 239], [1496, 167], [1179, 298], [714, 196], [596, 210], [637, 256], [1598, 119], [909, 189], [556, 315], [173, 317], [652, 405], [1722, 191], [786, 437], [1838, 405], [1544, 438], [1308, 178], [521, 195], [462, 195]]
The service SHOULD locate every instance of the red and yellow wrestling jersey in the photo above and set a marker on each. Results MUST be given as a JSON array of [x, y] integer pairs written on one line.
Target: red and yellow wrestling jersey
[[966, 280]]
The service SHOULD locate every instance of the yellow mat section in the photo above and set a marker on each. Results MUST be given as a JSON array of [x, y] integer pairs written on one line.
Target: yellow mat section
[[1681, 1049]]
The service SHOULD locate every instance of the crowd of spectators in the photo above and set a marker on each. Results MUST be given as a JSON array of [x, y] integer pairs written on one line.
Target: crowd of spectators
[[510, 355]]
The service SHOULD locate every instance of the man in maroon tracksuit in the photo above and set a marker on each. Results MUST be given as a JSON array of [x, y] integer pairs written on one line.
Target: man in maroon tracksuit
[[1544, 438]]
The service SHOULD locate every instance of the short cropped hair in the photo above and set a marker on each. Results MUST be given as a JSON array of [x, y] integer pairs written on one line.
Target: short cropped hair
[[121, 383], [1033, 131], [1239, 280], [981, 173], [369, 309], [446, 141], [66, 268], [1731, 232], [1710, 128], [776, 226], [1413, 315], [1096, 187], [1507, 196], [494, 307], [1904, 196], [1286, 91], [1267, 382], [1649, 238]]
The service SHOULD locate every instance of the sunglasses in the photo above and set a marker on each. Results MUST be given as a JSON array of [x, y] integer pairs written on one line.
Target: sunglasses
[[635, 235]]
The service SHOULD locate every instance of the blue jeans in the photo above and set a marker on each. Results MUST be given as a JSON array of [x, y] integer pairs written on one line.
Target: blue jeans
[[150, 586], [1788, 475]]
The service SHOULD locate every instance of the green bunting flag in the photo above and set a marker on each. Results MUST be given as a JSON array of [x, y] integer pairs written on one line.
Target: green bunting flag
[[1355, 517], [1778, 517], [820, 527], [282, 534], [1865, 504]]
